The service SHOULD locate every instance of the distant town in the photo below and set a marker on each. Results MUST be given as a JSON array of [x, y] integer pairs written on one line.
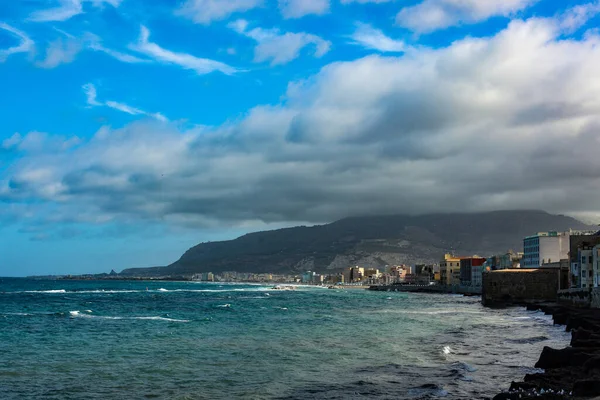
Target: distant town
[[553, 261]]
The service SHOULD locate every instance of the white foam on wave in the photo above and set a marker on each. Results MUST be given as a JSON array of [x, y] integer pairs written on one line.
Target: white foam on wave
[[44, 291], [17, 314], [160, 319], [224, 305], [162, 290], [78, 314], [447, 350], [432, 312], [106, 291]]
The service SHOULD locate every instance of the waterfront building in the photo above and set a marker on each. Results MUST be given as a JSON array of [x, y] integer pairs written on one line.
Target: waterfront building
[[399, 272], [468, 265], [450, 270], [354, 274], [477, 275], [307, 277], [508, 260], [582, 240], [596, 264], [545, 247], [372, 273]]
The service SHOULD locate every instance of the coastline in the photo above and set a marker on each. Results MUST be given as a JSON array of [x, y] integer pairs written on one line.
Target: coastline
[[571, 372]]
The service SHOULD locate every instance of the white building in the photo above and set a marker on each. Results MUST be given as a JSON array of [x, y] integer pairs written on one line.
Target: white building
[[545, 247]]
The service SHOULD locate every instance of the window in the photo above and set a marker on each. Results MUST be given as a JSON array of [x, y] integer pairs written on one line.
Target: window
[[583, 259]]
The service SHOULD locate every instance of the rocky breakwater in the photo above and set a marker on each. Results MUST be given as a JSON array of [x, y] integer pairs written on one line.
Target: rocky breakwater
[[569, 373]]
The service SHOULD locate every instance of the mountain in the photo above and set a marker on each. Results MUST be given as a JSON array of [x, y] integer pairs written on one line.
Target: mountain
[[367, 241]]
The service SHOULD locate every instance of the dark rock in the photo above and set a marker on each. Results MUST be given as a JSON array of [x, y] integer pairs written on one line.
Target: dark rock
[[592, 364], [523, 386], [581, 333], [570, 356], [560, 317], [585, 343], [586, 388]]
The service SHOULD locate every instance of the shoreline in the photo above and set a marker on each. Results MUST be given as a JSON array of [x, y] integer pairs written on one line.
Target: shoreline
[[569, 373]]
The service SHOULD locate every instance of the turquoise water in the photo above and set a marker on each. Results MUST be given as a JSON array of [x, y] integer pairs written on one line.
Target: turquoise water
[[185, 340]]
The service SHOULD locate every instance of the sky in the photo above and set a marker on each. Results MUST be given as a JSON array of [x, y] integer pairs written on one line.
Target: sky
[[132, 130]]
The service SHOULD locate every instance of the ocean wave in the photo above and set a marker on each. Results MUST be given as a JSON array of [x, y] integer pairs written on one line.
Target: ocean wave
[[528, 340], [224, 305], [159, 290], [17, 314], [43, 291], [431, 312], [78, 314]]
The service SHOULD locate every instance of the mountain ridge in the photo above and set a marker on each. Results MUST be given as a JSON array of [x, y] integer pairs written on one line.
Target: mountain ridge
[[369, 241]]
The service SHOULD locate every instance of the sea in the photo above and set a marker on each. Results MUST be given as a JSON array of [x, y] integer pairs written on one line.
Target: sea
[[63, 339]]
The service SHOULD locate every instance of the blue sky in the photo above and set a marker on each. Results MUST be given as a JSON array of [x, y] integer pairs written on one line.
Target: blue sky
[[132, 130]]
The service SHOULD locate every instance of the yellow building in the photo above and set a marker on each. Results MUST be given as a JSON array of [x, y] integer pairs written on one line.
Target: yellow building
[[450, 270]]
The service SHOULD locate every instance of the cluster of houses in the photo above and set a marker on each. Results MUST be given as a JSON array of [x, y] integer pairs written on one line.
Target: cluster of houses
[[575, 255]]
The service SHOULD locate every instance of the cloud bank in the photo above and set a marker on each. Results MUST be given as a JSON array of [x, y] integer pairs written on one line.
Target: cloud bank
[[504, 122]]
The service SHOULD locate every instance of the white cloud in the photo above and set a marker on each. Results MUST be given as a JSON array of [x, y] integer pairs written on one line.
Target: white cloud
[[91, 98], [431, 15], [206, 11], [374, 39], [200, 65], [91, 94], [278, 47], [481, 124], [576, 17], [94, 42], [117, 55], [67, 9], [12, 141], [38, 142], [25, 45], [60, 51], [300, 8], [364, 1]]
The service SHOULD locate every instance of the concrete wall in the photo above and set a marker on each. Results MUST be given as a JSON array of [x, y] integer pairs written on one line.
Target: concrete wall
[[516, 285]]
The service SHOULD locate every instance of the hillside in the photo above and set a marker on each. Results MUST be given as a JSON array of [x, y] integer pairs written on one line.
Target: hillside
[[372, 241]]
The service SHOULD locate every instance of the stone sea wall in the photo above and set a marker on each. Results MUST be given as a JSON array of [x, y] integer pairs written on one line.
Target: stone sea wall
[[580, 297]]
